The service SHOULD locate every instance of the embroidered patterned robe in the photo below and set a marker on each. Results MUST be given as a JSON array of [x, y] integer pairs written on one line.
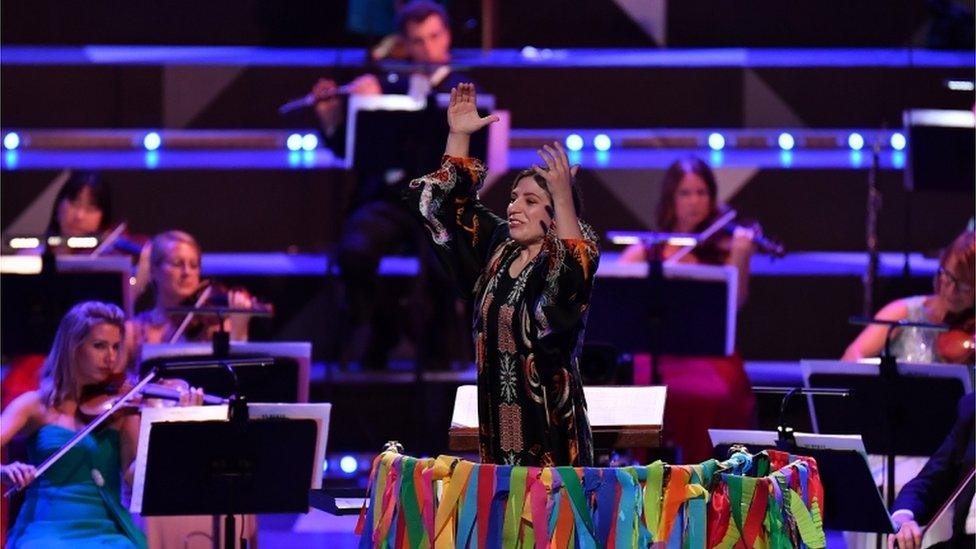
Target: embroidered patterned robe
[[528, 330]]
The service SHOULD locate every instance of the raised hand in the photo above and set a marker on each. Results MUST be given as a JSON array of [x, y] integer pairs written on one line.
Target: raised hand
[[462, 113], [557, 173]]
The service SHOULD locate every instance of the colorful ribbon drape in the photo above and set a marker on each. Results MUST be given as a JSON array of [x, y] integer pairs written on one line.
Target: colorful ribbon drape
[[449, 502]]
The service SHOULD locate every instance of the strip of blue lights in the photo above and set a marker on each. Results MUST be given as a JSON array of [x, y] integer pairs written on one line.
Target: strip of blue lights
[[612, 149]]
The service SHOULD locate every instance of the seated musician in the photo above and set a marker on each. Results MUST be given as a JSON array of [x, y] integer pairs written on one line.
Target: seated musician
[[424, 35], [689, 204], [175, 282], [951, 302], [703, 392], [77, 502], [922, 496], [83, 207]]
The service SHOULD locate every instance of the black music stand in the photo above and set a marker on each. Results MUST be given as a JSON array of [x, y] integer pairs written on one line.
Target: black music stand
[[916, 399], [669, 309], [388, 132], [229, 468], [852, 502]]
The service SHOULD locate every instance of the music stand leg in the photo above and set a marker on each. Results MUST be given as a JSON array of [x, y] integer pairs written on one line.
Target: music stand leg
[[229, 532]]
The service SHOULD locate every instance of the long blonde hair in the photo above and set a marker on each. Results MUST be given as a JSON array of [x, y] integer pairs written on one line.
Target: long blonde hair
[[59, 380]]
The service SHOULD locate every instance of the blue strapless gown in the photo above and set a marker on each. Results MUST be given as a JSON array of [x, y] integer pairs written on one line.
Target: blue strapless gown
[[64, 507]]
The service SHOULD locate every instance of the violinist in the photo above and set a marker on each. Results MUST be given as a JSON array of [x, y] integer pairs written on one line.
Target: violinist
[[175, 281], [951, 303], [76, 502], [703, 392], [689, 204], [83, 207]]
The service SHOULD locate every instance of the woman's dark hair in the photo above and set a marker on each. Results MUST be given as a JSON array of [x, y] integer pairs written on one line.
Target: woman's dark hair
[[417, 12], [669, 186], [577, 194], [72, 188]]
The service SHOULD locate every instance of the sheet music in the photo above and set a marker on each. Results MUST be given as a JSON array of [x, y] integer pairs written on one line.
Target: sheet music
[[320, 412], [607, 406], [803, 440]]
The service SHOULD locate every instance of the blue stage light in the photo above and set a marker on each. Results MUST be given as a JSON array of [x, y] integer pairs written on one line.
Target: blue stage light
[[602, 142], [348, 464], [310, 142], [855, 141], [716, 141], [786, 141], [11, 141], [574, 142], [898, 141], [152, 141], [294, 142], [786, 158], [152, 159], [898, 160]]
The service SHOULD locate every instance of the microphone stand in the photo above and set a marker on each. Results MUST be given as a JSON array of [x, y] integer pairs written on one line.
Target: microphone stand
[[871, 232]]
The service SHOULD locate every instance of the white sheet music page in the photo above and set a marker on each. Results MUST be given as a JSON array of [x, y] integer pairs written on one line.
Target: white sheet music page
[[607, 406], [465, 407]]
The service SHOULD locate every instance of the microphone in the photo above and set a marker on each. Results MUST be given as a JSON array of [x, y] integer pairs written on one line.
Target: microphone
[[310, 99]]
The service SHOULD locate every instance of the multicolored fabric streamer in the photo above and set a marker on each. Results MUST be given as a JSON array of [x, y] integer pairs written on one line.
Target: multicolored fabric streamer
[[449, 502]]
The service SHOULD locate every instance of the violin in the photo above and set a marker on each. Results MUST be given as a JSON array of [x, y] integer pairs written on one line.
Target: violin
[[710, 245], [213, 296], [957, 345], [96, 399]]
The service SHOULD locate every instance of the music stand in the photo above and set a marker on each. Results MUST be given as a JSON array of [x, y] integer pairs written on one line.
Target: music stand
[[194, 461], [672, 309], [620, 417], [852, 502], [400, 132], [940, 150], [918, 399], [932, 389], [283, 376], [38, 295]]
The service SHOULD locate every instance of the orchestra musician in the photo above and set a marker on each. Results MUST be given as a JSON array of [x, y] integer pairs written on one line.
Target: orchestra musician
[[530, 278], [175, 281], [951, 302], [425, 34], [83, 207], [377, 223], [703, 392], [77, 502]]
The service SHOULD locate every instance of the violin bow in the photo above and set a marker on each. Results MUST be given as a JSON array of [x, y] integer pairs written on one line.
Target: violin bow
[[722, 221], [92, 425], [109, 240], [189, 316]]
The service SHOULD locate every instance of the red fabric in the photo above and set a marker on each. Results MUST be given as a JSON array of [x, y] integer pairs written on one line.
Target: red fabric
[[24, 375], [486, 492], [719, 515], [703, 393]]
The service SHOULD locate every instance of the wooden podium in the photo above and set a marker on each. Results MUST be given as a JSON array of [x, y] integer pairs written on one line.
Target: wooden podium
[[620, 416]]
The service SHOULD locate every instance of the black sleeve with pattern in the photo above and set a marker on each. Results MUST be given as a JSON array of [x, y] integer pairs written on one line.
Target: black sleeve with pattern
[[464, 232]]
